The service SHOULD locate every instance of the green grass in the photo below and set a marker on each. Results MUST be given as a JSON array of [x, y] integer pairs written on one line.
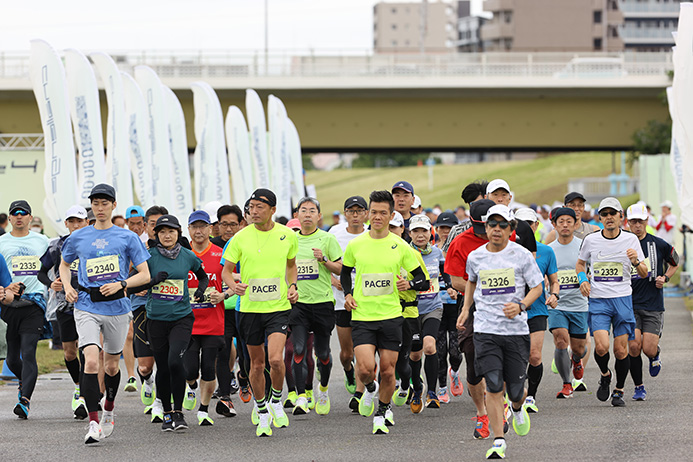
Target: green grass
[[542, 180]]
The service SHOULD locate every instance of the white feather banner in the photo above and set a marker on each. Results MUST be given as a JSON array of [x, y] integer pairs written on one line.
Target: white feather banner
[[183, 202], [279, 155], [298, 188], [240, 162], [258, 139]]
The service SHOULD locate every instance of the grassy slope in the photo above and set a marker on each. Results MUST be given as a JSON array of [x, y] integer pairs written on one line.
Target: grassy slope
[[541, 180]]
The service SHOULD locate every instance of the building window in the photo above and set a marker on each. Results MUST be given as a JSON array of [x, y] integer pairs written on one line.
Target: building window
[[597, 44], [597, 16], [508, 16], [394, 43], [394, 11], [394, 27]]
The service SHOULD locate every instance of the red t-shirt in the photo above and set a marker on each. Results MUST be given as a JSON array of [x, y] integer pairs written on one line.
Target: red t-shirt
[[209, 319], [459, 250]]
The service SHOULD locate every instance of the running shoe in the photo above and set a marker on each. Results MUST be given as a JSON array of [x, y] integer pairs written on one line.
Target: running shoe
[[234, 384], [203, 419], [19, 390], [157, 411], [481, 431], [75, 398], [554, 369], [456, 387], [190, 400], [366, 404], [225, 407], [389, 417], [147, 393], [507, 413], [107, 423], [311, 400], [255, 415], [410, 395], [350, 386], [80, 412], [506, 426], [216, 394], [432, 401], [179, 422], [290, 400], [21, 409], [354, 404], [379, 426], [301, 405], [167, 423], [497, 451], [130, 385], [94, 435], [443, 395], [400, 397], [566, 392], [579, 385], [264, 425], [322, 405], [279, 417], [531, 405], [604, 385], [245, 394], [655, 364], [617, 399], [521, 422], [416, 405], [578, 369], [640, 393]]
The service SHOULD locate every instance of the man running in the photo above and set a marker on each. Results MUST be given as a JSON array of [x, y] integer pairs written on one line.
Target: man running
[[24, 317], [662, 262], [613, 253], [403, 195], [267, 254], [472, 192], [577, 202], [498, 273], [374, 303], [105, 253]]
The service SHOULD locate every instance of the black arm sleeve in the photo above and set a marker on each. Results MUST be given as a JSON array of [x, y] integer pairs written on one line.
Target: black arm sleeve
[[420, 283], [202, 279], [345, 279], [446, 277], [43, 276]]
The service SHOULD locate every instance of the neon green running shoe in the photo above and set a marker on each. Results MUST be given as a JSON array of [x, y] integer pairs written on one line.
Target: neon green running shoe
[[379, 427], [75, 399], [311, 400], [554, 369], [203, 419], [367, 402], [497, 451], [279, 417], [290, 400], [322, 405], [264, 425], [190, 400], [521, 421], [399, 398], [350, 387], [255, 415], [301, 405], [147, 393]]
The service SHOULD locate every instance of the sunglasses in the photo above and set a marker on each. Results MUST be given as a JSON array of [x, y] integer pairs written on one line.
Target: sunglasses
[[19, 213], [606, 214], [494, 223]]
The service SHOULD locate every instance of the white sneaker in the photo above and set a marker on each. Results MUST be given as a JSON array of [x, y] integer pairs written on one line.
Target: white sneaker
[[279, 417], [301, 406], [157, 411], [95, 434], [107, 423], [389, 418]]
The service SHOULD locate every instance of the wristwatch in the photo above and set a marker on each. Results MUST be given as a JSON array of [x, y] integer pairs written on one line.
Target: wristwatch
[[293, 284], [226, 296], [411, 284], [666, 278], [523, 307], [124, 284], [555, 295]]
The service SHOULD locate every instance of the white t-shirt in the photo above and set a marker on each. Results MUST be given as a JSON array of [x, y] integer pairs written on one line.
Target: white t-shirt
[[501, 278], [610, 266], [662, 232], [343, 237], [571, 298]]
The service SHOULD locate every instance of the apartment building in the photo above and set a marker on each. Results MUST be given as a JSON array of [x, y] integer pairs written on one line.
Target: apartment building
[[648, 24]]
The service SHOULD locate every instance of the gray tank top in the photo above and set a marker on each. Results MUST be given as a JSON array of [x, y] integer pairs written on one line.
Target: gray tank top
[[583, 230]]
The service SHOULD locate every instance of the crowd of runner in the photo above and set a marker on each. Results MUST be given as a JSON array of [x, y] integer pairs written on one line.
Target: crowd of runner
[[247, 305]]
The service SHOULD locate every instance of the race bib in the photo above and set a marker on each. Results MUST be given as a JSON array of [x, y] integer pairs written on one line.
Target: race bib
[[170, 289], [264, 290], [307, 269], [608, 271], [568, 279], [377, 284], [101, 268], [74, 267], [25, 265], [432, 292], [500, 281], [206, 299], [634, 271]]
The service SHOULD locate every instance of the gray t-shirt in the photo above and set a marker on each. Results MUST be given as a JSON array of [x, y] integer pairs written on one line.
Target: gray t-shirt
[[566, 259]]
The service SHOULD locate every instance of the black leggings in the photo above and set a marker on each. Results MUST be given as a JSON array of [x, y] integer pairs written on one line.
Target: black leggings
[[169, 340], [24, 367], [321, 344], [194, 365], [447, 344], [403, 367]]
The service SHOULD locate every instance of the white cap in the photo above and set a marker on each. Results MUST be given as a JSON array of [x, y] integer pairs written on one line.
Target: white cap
[[419, 221], [417, 202], [397, 219], [588, 207], [497, 184], [526, 214], [637, 212], [211, 209], [610, 203], [667, 204], [76, 211], [499, 209]]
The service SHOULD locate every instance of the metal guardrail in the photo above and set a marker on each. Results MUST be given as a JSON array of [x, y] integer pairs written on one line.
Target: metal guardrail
[[649, 7], [21, 141], [596, 189]]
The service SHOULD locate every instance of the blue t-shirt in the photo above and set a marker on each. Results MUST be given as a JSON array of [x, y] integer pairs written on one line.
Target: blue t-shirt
[[646, 295], [430, 300], [23, 260], [104, 257], [546, 261], [5, 276]]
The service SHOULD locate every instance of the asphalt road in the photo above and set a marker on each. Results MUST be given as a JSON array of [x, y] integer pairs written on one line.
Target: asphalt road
[[582, 428]]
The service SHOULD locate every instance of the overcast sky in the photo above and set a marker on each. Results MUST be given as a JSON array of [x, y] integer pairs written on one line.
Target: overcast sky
[[188, 24]]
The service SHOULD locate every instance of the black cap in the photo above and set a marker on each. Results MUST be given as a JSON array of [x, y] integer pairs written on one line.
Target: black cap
[[355, 200], [477, 210], [446, 219], [20, 205], [168, 221], [103, 190], [562, 211], [264, 195], [405, 185], [571, 196]]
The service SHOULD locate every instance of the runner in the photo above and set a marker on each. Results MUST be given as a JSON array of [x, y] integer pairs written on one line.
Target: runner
[[537, 313], [403, 194], [499, 192], [135, 219], [356, 213], [267, 254], [105, 253], [319, 256], [568, 322], [24, 316], [613, 253], [472, 192], [662, 262], [208, 328], [501, 334], [75, 218], [378, 257], [577, 202]]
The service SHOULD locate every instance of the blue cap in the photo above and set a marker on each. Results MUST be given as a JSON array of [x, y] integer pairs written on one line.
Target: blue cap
[[134, 211], [405, 185], [199, 215]]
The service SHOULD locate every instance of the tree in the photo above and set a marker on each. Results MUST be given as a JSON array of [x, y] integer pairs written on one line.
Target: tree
[[655, 138]]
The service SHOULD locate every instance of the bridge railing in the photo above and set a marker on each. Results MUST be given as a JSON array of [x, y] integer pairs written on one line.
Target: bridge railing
[[21, 141]]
